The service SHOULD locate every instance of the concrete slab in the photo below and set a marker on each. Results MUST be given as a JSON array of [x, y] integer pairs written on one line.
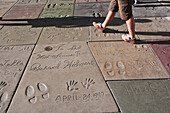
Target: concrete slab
[[153, 28], [146, 96], [19, 35], [13, 60], [1, 27], [58, 9], [161, 49], [5, 6], [70, 82], [151, 11], [31, 2], [23, 12], [91, 9], [53, 35], [86, 1], [121, 61]]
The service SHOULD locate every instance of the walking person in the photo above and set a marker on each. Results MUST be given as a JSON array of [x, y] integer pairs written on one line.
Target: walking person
[[125, 8]]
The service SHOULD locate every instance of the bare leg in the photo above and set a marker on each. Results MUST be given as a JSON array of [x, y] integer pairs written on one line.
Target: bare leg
[[131, 26], [109, 17]]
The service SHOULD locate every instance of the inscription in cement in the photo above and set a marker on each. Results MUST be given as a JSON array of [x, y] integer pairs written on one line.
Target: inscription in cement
[[5, 6], [91, 9], [31, 2], [121, 60], [70, 82], [58, 8], [162, 50], [146, 96], [53, 35], [12, 62], [17, 35], [157, 28], [24, 12], [85, 1]]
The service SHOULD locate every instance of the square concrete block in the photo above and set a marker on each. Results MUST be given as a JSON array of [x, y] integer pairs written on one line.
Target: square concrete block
[[86, 1], [13, 60], [91, 9], [31, 2], [19, 35], [120, 60], [161, 49], [5, 6], [142, 96], [23, 12], [58, 9], [152, 28], [53, 35], [62, 78]]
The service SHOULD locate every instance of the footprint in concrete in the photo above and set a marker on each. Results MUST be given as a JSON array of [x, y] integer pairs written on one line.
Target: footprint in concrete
[[43, 88], [108, 65], [3, 99], [111, 73], [121, 66], [29, 92]]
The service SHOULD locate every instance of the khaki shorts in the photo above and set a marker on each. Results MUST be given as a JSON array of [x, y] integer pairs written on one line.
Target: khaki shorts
[[124, 6]]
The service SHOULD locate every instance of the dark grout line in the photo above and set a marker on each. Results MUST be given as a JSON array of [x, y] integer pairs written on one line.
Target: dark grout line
[[22, 74]]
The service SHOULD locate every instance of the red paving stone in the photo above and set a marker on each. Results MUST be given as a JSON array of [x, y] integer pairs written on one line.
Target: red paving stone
[[162, 51], [24, 12], [82, 1]]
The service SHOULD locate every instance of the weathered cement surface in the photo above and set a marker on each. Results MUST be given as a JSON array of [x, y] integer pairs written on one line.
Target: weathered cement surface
[[161, 49], [5, 6], [150, 12], [122, 60], [13, 60], [145, 96], [70, 82], [1, 27], [53, 35], [23, 12], [31, 2], [152, 28], [57, 8], [91, 9], [18, 35], [86, 1]]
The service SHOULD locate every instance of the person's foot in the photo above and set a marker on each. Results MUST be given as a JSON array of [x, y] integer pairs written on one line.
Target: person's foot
[[129, 39], [98, 26]]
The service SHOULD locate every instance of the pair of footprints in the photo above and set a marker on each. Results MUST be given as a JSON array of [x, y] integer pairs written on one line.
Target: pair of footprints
[[109, 66], [30, 92]]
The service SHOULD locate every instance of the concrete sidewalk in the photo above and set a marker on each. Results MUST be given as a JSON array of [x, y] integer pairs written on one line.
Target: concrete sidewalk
[[52, 60]]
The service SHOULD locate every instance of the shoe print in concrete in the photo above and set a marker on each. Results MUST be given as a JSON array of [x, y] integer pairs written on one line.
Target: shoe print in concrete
[[53, 35], [13, 60], [70, 82], [142, 96], [19, 35], [58, 9], [161, 48], [121, 61], [91, 9]]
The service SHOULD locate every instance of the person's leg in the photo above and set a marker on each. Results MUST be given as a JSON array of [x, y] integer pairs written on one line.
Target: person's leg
[[113, 8], [108, 19], [131, 27]]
